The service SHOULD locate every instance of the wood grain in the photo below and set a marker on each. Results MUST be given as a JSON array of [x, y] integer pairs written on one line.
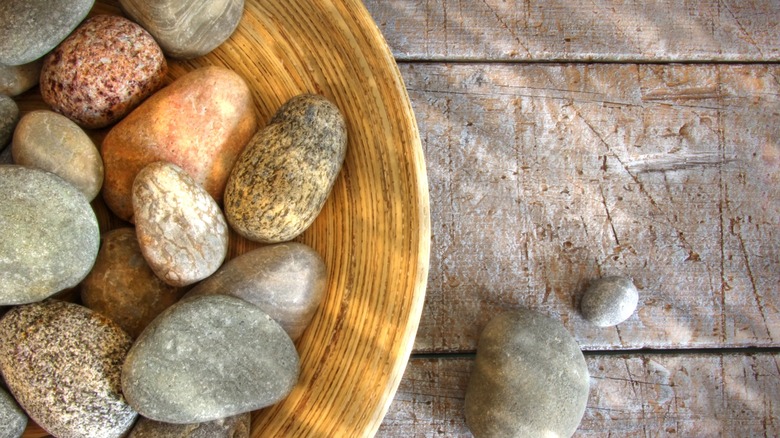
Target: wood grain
[[544, 177], [598, 30], [630, 396]]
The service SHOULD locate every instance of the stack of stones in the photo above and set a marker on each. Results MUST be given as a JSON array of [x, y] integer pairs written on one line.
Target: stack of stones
[[163, 337]]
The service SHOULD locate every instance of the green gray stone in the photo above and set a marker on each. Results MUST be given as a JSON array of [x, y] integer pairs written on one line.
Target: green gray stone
[[13, 420], [31, 28], [62, 363], [206, 358], [9, 116], [49, 235], [529, 379], [287, 281], [236, 426]]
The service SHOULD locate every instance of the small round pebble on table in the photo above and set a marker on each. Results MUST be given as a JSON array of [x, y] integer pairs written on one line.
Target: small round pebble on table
[[609, 301]]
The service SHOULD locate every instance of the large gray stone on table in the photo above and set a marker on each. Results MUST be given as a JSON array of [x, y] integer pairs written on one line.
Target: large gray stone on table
[[62, 363], [13, 420], [209, 357], [49, 235], [189, 28], [287, 281], [529, 379], [31, 28], [236, 426]]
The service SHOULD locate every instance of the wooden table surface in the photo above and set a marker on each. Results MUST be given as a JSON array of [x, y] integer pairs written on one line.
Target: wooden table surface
[[569, 141]]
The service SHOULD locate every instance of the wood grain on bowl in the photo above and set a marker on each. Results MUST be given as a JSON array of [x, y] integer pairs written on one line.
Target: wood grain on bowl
[[374, 230]]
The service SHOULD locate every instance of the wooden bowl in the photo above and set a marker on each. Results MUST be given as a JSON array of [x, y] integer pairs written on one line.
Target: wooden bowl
[[374, 231]]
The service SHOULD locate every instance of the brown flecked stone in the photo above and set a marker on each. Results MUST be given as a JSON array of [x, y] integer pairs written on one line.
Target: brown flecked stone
[[181, 230], [285, 174], [286, 280], [200, 122], [52, 142], [186, 29], [236, 426], [16, 79], [62, 362], [103, 70], [123, 287], [9, 116]]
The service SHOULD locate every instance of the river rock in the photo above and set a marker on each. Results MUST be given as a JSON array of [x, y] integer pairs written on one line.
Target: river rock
[[62, 362], [209, 357], [181, 230], [103, 70], [5, 156], [609, 301], [200, 122], [16, 79], [287, 281], [49, 235], [31, 28], [9, 116], [13, 420], [529, 379], [50, 141], [236, 426], [285, 174], [123, 287], [186, 29]]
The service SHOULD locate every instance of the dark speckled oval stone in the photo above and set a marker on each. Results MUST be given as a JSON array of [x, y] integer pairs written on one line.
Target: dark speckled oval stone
[[9, 116], [62, 362], [284, 175], [13, 420], [103, 70]]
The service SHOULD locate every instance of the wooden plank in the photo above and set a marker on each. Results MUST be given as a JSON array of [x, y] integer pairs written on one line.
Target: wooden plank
[[543, 177], [630, 396], [600, 30]]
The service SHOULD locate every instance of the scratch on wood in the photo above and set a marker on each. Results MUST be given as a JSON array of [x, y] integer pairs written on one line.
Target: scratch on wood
[[756, 295], [673, 162], [506, 26], [748, 37]]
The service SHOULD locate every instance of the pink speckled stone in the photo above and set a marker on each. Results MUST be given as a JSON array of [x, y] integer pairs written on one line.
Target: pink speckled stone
[[102, 71]]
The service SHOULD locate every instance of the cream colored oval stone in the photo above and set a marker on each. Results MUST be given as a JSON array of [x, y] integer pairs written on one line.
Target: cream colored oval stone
[[52, 142], [181, 231], [200, 122], [284, 176]]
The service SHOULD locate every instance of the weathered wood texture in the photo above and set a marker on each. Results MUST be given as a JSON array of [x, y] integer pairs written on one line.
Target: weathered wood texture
[[603, 30], [543, 177], [631, 396]]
